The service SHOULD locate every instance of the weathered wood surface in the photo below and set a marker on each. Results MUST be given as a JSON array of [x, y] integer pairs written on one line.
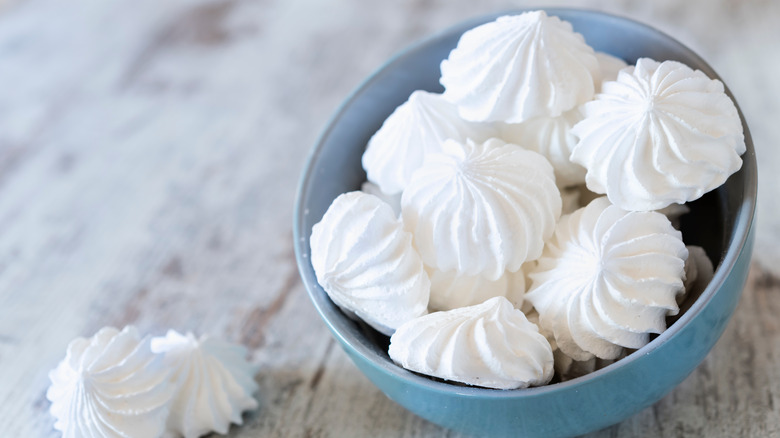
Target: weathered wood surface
[[149, 156]]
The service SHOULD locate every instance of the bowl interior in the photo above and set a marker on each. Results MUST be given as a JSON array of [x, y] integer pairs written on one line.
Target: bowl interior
[[719, 221]]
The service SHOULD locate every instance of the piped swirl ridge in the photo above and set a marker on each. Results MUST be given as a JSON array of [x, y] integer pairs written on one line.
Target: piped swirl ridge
[[662, 133], [481, 209], [519, 67], [490, 344], [366, 263], [607, 279]]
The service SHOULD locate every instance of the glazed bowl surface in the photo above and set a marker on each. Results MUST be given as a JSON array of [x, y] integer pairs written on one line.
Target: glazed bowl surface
[[721, 222]]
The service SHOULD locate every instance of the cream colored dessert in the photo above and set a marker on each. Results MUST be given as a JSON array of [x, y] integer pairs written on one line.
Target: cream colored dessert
[[662, 133], [607, 279], [110, 385], [481, 209], [519, 67], [214, 383], [450, 290], [416, 128], [490, 345], [365, 261], [551, 137]]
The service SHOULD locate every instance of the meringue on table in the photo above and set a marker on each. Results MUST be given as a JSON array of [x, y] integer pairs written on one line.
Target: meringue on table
[[110, 385], [490, 345], [607, 279], [366, 263], [214, 383]]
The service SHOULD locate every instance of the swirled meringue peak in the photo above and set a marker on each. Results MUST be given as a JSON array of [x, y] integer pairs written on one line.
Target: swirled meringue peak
[[366, 263], [607, 279], [215, 383], [551, 137], [519, 67], [481, 209], [662, 133], [450, 290], [110, 385], [490, 345], [417, 127]]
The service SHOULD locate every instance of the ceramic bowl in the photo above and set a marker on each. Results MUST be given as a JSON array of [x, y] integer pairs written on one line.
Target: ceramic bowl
[[721, 222]]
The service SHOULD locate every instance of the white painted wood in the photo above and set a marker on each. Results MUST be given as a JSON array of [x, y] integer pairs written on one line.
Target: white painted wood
[[149, 156]]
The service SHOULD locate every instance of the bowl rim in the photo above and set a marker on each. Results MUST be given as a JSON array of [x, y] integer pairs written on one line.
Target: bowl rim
[[743, 224]]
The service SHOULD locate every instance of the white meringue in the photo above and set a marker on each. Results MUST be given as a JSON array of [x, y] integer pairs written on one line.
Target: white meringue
[[491, 345], [607, 279], [662, 133], [450, 290], [366, 263], [481, 209], [394, 201], [565, 367], [110, 385], [551, 137], [215, 383], [417, 127], [609, 66], [519, 67]]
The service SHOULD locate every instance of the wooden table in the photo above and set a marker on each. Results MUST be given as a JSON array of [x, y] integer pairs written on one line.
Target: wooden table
[[149, 157]]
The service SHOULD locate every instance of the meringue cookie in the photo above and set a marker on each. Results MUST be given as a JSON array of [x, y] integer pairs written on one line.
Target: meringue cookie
[[365, 261], [607, 279], [394, 201], [519, 67], [568, 368], [450, 290], [609, 66], [662, 133], [481, 209], [110, 385], [565, 367], [414, 129], [491, 345], [551, 137], [215, 383], [698, 272]]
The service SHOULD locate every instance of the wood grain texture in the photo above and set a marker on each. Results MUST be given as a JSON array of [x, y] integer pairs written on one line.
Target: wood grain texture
[[149, 157]]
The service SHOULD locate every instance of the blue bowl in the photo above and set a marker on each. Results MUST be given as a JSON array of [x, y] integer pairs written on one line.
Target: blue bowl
[[721, 222]]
